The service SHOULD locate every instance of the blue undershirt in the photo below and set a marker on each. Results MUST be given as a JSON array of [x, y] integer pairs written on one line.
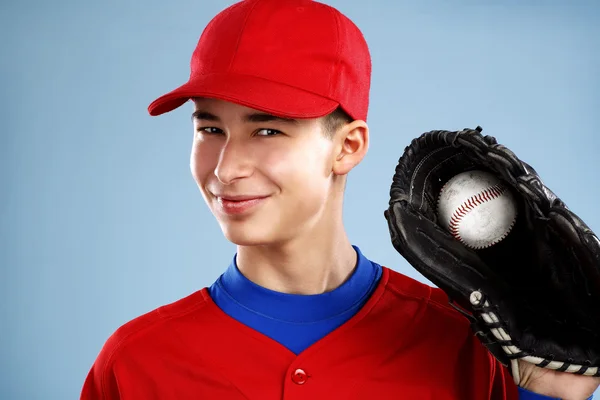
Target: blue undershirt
[[298, 321]]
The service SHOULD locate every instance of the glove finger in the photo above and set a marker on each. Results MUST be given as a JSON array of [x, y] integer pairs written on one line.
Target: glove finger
[[435, 253], [583, 245]]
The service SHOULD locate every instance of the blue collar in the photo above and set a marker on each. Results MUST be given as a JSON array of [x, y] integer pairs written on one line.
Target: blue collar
[[298, 308]]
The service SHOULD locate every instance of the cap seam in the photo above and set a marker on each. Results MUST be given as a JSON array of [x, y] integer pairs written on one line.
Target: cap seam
[[214, 21], [275, 81], [237, 45]]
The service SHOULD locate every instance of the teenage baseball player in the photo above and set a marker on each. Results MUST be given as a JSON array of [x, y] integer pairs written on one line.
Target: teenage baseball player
[[280, 91]]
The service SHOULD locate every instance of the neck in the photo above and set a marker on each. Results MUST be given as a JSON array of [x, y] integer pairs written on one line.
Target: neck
[[316, 262]]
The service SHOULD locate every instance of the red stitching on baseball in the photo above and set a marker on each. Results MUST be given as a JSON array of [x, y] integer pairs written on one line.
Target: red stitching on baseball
[[488, 194]]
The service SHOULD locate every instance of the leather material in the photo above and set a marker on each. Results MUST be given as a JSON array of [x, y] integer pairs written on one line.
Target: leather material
[[541, 283]]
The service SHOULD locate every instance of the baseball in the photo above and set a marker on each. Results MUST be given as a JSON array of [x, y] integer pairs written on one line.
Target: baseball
[[477, 208]]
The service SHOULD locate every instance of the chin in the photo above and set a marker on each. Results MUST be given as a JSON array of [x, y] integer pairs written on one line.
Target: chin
[[247, 237], [252, 232]]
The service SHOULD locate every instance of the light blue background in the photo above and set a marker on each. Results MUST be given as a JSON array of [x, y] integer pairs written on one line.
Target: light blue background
[[101, 220]]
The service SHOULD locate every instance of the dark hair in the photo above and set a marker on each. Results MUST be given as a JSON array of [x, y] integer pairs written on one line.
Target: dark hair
[[334, 120]]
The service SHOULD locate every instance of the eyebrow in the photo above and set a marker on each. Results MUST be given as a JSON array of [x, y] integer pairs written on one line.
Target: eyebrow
[[264, 117], [252, 117], [203, 115]]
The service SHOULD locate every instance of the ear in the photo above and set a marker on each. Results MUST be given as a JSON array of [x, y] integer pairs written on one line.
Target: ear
[[352, 144]]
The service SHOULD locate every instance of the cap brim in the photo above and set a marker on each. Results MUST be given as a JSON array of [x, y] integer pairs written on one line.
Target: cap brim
[[253, 92]]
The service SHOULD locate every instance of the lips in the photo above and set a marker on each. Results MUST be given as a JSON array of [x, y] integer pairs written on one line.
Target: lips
[[238, 204]]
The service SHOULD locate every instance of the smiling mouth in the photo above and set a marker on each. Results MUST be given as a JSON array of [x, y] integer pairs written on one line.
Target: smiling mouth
[[239, 205]]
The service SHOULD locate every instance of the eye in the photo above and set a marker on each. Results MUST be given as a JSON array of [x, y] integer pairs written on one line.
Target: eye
[[267, 132], [209, 129]]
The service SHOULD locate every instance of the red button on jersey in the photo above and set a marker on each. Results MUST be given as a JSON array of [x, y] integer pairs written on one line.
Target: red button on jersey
[[299, 376]]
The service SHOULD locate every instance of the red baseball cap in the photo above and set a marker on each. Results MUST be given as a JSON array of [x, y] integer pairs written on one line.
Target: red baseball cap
[[290, 58]]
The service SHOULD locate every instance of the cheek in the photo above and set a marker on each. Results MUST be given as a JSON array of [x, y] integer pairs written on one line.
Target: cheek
[[203, 161], [303, 171]]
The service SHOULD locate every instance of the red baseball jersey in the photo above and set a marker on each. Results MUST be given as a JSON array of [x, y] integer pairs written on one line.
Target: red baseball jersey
[[406, 342]]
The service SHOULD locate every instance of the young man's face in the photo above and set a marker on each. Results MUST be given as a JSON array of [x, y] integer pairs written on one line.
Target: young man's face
[[265, 179]]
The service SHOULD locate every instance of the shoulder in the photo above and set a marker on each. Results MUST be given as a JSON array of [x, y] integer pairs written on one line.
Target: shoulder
[[154, 323], [434, 309], [407, 287], [142, 336], [443, 335], [156, 318]]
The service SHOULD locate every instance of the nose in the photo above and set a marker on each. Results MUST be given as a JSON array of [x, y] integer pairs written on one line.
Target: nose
[[234, 162]]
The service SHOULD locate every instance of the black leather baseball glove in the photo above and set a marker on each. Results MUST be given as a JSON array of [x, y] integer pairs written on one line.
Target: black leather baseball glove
[[535, 295]]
